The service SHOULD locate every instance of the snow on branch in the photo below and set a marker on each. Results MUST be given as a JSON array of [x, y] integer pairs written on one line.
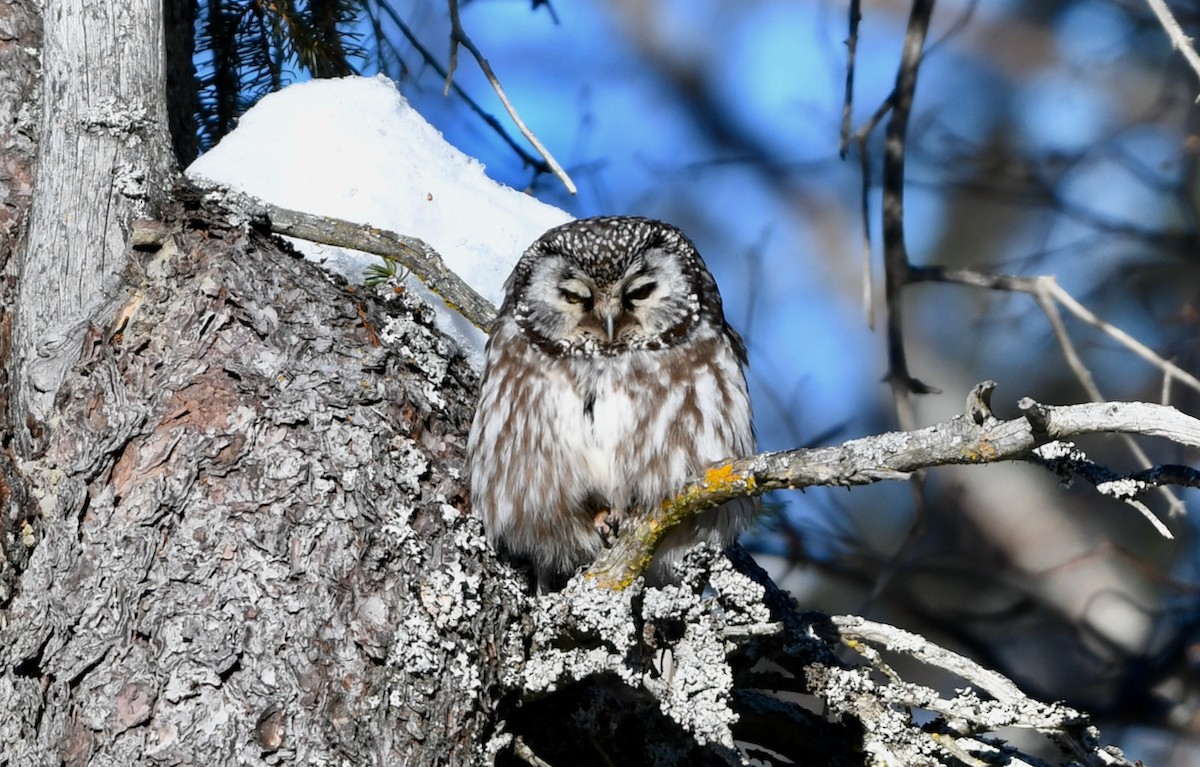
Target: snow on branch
[[974, 437]]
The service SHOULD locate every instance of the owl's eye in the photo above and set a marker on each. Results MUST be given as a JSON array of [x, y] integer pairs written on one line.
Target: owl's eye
[[571, 297], [641, 292]]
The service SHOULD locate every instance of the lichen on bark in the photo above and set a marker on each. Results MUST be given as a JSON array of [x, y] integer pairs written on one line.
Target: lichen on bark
[[252, 544]]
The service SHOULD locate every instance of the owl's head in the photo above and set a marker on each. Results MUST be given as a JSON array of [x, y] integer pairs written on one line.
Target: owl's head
[[603, 286]]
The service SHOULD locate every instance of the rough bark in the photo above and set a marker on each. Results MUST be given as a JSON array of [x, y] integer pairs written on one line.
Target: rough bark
[[20, 39], [248, 543]]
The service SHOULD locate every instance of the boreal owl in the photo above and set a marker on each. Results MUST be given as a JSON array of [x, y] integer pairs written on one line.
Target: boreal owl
[[611, 377]]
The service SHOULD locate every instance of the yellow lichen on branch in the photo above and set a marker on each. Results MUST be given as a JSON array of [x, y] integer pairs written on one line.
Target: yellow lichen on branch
[[724, 481], [619, 566]]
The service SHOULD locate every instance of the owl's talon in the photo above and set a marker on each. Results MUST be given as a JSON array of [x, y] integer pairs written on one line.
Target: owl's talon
[[607, 523]]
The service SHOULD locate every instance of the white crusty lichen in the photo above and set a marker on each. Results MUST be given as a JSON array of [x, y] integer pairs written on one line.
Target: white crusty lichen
[[408, 463], [695, 687], [1059, 450], [1123, 488], [417, 644], [450, 594], [448, 599], [741, 597], [586, 631], [399, 527], [579, 632], [878, 450], [424, 349], [500, 741], [115, 117], [890, 736]]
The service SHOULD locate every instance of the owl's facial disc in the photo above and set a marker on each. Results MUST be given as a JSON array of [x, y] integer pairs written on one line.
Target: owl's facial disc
[[643, 300], [593, 308], [613, 315]]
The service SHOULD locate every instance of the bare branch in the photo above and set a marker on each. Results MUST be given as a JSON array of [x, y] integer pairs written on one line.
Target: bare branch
[[459, 36], [861, 139], [521, 749], [967, 715], [1051, 286], [848, 101], [455, 33], [896, 265], [976, 437], [895, 253], [537, 163], [413, 254], [852, 627], [863, 134]]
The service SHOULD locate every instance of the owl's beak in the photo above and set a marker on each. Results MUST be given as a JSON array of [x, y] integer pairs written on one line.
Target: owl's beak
[[607, 312]]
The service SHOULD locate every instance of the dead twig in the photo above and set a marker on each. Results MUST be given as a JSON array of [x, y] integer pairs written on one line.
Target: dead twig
[[459, 37], [537, 163], [848, 100]]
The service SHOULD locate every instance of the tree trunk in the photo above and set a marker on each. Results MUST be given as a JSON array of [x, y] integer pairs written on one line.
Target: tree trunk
[[249, 535], [233, 526], [103, 157], [21, 39]]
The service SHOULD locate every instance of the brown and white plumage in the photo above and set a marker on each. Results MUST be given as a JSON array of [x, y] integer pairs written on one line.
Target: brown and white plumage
[[611, 377]]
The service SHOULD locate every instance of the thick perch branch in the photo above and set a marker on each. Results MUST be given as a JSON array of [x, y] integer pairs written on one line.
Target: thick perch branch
[[976, 437]]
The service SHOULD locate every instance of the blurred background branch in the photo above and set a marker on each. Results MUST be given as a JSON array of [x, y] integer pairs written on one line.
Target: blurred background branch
[[1180, 40]]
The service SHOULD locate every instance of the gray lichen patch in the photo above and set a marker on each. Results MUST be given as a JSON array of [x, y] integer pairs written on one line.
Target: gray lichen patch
[[668, 642], [695, 688], [580, 632]]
